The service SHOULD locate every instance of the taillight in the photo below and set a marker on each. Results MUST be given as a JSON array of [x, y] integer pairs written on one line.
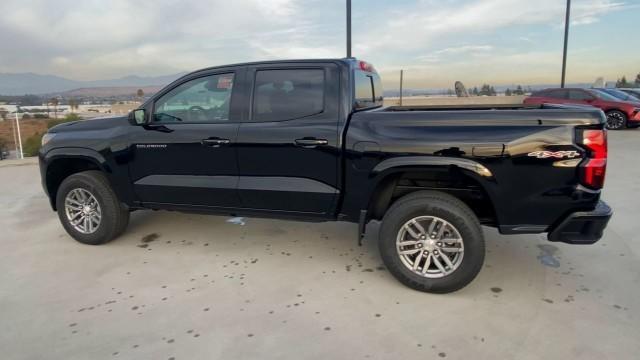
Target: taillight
[[365, 66], [593, 168]]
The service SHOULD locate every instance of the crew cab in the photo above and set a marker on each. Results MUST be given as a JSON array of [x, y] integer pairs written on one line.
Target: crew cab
[[620, 113], [311, 140]]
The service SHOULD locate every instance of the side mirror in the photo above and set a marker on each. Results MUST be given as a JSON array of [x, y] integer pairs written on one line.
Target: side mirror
[[138, 117]]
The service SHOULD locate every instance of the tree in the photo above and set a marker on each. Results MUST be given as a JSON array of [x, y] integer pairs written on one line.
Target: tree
[[507, 92], [140, 93], [3, 113], [487, 90], [637, 80], [73, 104], [450, 92], [622, 83], [518, 91], [54, 102], [475, 91]]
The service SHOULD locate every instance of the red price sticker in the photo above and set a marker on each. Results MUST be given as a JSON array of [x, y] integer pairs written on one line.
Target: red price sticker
[[225, 82]]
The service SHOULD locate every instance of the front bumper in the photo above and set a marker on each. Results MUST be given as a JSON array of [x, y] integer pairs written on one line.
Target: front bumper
[[583, 227]]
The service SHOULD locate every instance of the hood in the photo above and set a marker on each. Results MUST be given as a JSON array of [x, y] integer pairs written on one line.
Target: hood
[[91, 124]]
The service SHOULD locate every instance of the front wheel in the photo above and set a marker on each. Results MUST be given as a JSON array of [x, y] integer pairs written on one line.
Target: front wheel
[[432, 242], [89, 210], [616, 120]]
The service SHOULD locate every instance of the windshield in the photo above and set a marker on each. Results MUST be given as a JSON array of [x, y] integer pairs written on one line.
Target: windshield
[[619, 94], [603, 95]]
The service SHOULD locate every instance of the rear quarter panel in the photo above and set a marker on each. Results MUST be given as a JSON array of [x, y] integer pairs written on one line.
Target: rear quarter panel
[[526, 191]]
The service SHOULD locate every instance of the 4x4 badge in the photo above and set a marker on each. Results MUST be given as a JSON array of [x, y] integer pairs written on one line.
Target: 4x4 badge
[[554, 154]]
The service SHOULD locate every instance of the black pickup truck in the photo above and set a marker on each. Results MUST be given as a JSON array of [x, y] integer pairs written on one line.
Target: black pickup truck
[[311, 140]]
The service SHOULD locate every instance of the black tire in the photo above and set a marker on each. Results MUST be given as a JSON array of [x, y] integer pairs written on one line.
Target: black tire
[[616, 120], [448, 208], [115, 216]]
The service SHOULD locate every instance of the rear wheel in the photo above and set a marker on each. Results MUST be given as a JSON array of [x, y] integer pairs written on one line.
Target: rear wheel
[[616, 120], [89, 210], [432, 242]]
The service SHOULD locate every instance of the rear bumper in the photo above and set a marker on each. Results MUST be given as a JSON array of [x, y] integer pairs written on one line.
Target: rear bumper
[[583, 227]]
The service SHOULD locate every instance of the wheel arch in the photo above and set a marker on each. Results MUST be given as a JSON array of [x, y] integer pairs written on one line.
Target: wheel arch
[[60, 163], [465, 179]]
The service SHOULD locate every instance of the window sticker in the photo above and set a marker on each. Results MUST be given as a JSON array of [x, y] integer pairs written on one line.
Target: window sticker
[[225, 82]]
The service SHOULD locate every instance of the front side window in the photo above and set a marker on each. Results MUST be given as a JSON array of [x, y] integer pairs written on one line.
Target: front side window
[[288, 94], [204, 99]]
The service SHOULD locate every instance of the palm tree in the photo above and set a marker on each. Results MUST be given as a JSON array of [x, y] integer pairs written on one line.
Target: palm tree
[[54, 102]]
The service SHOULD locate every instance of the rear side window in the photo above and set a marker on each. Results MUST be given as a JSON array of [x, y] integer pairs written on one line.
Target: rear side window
[[288, 94], [558, 94], [368, 89], [579, 95]]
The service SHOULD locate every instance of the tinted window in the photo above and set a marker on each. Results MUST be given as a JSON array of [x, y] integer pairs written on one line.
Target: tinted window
[[288, 94], [604, 96], [204, 99], [579, 95], [558, 94], [542, 93], [368, 89]]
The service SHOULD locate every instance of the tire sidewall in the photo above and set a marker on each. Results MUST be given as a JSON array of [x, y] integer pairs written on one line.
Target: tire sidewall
[[104, 232], [469, 230]]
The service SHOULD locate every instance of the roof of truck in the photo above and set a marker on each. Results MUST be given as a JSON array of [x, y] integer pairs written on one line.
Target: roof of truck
[[350, 61]]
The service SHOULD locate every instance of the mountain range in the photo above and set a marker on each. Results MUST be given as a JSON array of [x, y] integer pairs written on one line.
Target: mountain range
[[37, 84]]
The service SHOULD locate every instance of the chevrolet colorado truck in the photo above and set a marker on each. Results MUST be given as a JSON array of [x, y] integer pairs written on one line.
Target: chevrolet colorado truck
[[311, 140]]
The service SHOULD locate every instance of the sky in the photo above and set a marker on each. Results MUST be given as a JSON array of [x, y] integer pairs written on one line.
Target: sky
[[436, 42]]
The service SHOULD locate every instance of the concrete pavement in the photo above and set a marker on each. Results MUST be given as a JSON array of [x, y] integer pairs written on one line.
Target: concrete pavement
[[182, 286]]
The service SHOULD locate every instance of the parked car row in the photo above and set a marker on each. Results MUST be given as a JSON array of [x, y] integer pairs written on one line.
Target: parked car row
[[622, 106]]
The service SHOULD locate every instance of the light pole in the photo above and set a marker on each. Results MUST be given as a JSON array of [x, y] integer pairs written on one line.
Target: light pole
[[566, 39], [348, 28], [19, 136], [401, 75]]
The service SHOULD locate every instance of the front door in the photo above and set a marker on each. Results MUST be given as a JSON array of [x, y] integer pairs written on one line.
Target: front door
[[185, 156], [288, 148]]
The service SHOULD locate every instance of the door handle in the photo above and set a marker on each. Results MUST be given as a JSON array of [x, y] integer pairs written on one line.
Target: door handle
[[311, 142], [215, 142]]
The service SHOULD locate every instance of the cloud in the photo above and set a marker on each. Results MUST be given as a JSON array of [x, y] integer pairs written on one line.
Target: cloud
[[103, 39], [426, 21]]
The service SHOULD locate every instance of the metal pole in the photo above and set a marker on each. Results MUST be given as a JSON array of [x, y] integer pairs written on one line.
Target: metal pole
[[19, 136], [15, 138], [348, 28], [401, 71], [566, 39]]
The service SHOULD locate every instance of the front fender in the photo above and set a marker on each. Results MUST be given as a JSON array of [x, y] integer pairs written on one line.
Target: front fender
[[51, 156]]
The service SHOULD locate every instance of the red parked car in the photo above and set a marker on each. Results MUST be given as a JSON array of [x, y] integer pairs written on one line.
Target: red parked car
[[620, 114]]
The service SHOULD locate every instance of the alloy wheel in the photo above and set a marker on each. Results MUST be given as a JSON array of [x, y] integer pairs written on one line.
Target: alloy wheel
[[83, 211], [430, 246], [615, 120]]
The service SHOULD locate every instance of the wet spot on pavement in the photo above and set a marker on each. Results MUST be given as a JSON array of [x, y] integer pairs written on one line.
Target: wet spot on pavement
[[150, 237], [496, 289], [547, 255], [548, 301]]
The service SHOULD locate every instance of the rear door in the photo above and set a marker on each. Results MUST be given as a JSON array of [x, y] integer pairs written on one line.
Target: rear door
[[288, 147]]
